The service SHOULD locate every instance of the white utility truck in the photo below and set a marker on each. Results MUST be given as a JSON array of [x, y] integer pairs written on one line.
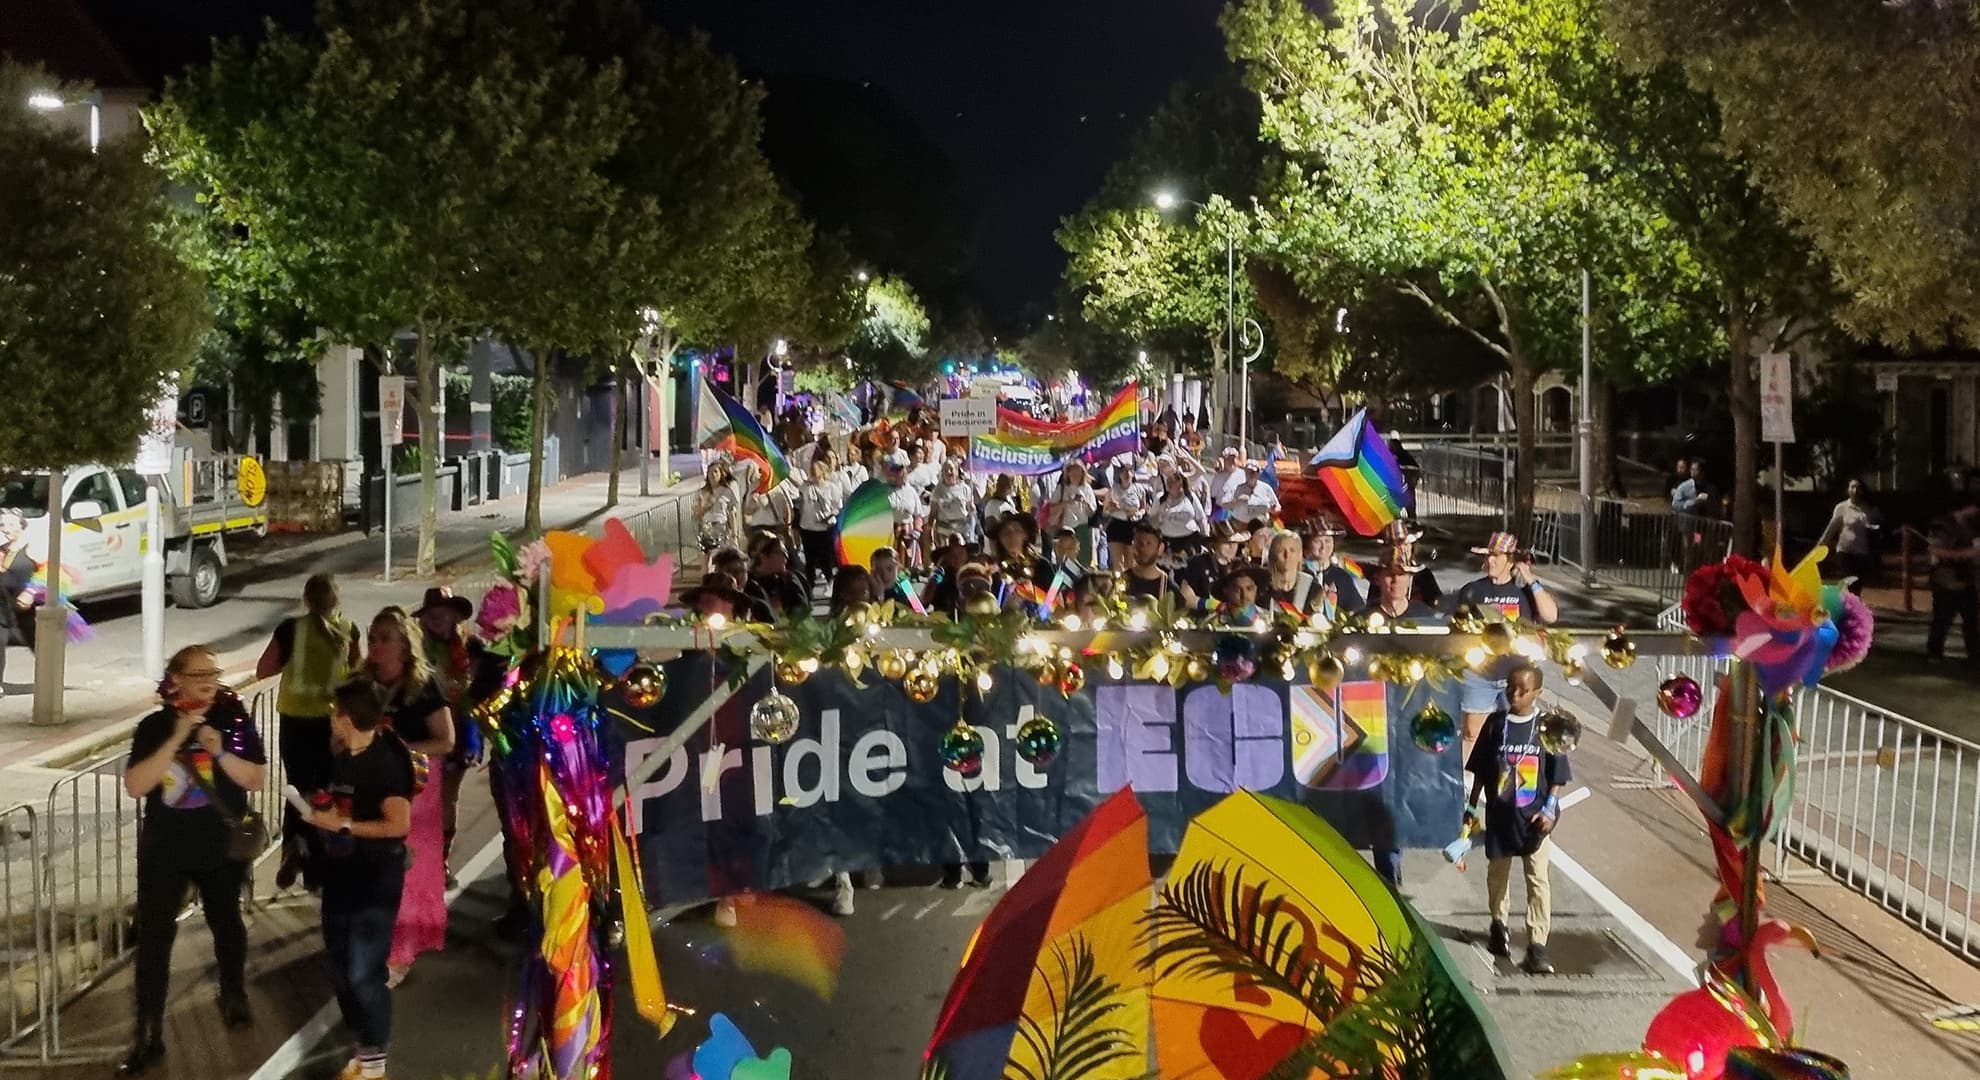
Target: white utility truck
[[204, 499]]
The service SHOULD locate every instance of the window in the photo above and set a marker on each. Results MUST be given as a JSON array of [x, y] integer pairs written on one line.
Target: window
[[96, 489], [133, 486]]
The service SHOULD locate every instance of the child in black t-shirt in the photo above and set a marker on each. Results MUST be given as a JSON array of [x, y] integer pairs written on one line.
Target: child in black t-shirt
[[1520, 782], [371, 793]]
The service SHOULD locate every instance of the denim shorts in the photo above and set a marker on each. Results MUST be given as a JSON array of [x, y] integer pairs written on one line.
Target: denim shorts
[[1482, 694]]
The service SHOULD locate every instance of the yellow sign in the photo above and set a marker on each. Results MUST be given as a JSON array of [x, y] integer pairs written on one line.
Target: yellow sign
[[253, 483]]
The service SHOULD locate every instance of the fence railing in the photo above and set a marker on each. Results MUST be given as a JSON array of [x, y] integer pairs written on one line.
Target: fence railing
[[1886, 805], [1464, 481], [1653, 550], [78, 885], [664, 527]]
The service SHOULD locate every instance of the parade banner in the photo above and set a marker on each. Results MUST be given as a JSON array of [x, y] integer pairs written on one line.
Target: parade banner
[[1028, 447], [862, 784]]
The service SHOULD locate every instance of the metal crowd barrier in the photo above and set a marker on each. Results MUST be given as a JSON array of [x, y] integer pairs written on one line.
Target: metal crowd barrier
[[80, 881], [1463, 481], [664, 527], [1653, 550], [1886, 805]]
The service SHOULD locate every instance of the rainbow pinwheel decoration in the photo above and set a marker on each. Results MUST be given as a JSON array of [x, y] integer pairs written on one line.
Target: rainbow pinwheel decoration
[[1786, 631]]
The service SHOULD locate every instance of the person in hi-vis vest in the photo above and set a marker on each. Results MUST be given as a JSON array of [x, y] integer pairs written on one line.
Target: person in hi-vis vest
[[313, 653]]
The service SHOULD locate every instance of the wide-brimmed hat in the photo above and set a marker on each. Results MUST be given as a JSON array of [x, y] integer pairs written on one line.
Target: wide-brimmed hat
[[1391, 564], [443, 597], [1016, 517], [1500, 543], [1322, 526], [1399, 532], [716, 583], [1223, 532]]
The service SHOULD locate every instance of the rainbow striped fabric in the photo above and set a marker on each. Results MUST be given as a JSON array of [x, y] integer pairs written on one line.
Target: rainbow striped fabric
[[1028, 447], [751, 441], [1361, 473]]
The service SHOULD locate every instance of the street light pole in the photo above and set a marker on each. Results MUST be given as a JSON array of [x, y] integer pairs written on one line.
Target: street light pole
[[1230, 337], [1586, 440]]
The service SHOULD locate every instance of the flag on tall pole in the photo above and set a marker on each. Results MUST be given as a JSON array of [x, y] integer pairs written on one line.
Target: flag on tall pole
[[748, 439], [711, 423]]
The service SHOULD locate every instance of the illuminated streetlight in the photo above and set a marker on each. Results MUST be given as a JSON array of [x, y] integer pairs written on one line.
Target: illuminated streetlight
[[1165, 200], [863, 277], [44, 101], [783, 348]]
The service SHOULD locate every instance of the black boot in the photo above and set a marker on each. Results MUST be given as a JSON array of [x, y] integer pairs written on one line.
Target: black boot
[[234, 1012], [147, 1049]]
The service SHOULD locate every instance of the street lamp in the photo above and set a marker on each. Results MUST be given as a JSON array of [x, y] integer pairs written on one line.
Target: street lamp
[[44, 101], [863, 277], [1166, 200]]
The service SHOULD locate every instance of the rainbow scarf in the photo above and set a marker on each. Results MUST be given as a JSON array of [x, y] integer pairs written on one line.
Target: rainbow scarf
[[1361, 473], [748, 439], [1024, 446]]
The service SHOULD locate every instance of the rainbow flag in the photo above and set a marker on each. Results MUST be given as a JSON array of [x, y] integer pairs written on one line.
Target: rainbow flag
[[1361, 473], [751, 441], [1027, 447]]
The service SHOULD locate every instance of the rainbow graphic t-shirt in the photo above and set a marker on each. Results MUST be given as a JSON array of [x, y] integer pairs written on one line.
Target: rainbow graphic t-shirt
[[178, 790]]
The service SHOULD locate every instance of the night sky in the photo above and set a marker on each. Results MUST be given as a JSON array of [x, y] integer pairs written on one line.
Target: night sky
[[1031, 99]]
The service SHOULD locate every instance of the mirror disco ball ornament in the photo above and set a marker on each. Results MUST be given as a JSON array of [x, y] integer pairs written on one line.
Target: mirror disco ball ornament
[[962, 749], [1433, 730], [1560, 731], [1618, 651], [642, 685], [1680, 697], [774, 719], [1039, 740]]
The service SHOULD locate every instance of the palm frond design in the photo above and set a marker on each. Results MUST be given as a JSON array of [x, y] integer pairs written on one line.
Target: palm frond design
[[1213, 923], [1081, 1039], [934, 1067], [1411, 1025]]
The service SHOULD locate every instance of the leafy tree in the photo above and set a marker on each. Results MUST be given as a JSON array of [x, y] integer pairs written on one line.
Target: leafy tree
[[891, 342], [97, 309], [375, 170], [1860, 119]]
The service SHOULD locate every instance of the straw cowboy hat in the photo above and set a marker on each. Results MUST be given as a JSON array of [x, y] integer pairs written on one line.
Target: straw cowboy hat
[[1399, 532], [1501, 543]]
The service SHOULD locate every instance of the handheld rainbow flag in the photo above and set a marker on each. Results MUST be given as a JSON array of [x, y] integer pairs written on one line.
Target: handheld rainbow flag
[[866, 524], [1361, 473], [751, 441]]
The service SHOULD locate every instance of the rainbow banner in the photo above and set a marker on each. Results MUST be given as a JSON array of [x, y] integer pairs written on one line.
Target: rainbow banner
[[748, 439], [1361, 473], [1027, 447]]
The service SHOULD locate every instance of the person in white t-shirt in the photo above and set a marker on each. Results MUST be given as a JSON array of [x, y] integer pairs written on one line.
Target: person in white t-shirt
[[952, 507], [1252, 501], [1124, 503], [1071, 503], [1223, 484]]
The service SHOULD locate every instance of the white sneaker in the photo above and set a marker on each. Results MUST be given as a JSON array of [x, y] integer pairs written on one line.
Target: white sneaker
[[875, 878], [725, 911], [842, 894]]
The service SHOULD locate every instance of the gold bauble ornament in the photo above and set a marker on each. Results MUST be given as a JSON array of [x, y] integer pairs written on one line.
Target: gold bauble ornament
[[1376, 667], [1199, 669], [1048, 673], [858, 613], [642, 685], [1326, 673], [791, 673], [1498, 638], [1618, 651], [921, 685], [981, 605], [892, 665]]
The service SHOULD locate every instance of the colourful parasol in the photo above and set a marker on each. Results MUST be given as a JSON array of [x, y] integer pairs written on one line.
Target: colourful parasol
[[1273, 939], [1056, 964], [866, 524]]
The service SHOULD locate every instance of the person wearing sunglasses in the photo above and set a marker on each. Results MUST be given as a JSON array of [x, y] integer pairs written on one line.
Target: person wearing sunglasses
[[192, 762]]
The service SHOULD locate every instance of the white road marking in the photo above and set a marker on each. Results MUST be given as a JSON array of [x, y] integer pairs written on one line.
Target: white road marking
[[929, 908], [1652, 938], [289, 1056], [893, 911]]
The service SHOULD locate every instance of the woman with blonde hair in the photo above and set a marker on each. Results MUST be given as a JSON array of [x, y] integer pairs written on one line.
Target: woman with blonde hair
[[313, 653], [416, 711]]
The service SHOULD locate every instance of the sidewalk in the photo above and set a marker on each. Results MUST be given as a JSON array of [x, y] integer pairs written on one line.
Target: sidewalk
[[106, 692]]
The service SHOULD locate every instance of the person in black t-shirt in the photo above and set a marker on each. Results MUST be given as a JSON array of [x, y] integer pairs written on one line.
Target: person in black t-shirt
[[193, 763], [1520, 782], [1508, 591], [772, 580], [1145, 576], [364, 877]]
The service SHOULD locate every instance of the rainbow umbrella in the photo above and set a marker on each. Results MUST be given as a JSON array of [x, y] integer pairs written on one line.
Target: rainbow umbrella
[[866, 524], [1052, 984], [1274, 942]]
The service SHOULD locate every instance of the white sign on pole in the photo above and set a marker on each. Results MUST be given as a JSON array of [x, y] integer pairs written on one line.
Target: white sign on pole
[[1776, 398], [154, 455], [1887, 382], [963, 417], [392, 409]]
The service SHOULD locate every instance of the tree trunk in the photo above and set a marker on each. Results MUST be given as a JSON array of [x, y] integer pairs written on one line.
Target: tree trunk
[[1523, 424], [1608, 475], [1746, 432], [1217, 420], [426, 393], [539, 426], [621, 401]]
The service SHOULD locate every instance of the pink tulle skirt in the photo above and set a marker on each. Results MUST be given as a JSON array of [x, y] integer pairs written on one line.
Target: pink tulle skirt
[[422, 925]]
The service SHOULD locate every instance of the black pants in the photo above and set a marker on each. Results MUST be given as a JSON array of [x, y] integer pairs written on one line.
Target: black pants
[[1947, 603], [821, 557], [305, 748], [20, 631], [161, 893], [952, 872], [360, 904]]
